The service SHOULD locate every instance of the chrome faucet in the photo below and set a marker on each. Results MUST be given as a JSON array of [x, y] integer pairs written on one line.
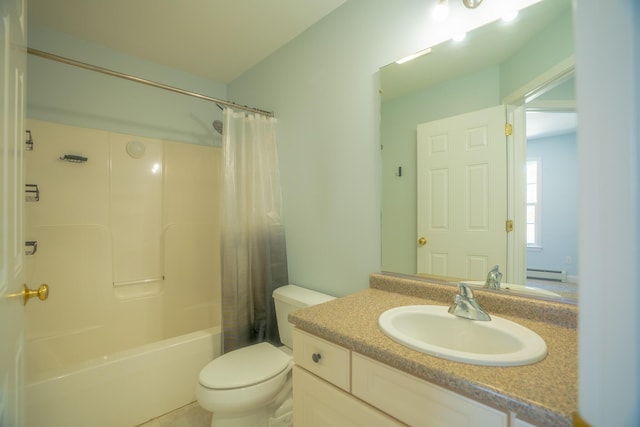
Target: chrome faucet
[[466, 306], [493, 278]]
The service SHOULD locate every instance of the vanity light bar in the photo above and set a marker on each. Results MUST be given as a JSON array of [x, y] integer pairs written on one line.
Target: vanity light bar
[[414, 56], [510, 17]]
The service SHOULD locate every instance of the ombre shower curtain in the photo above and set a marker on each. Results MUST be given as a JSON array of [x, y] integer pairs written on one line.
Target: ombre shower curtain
[[253, 251]]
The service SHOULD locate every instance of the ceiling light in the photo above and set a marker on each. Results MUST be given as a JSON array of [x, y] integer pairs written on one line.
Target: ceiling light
[[414, 56], [471, 4], [459, 37], [441, 10], [509, 17]]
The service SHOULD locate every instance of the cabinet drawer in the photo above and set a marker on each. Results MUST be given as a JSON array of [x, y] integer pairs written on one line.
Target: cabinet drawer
[[327, 360], [415, 401]]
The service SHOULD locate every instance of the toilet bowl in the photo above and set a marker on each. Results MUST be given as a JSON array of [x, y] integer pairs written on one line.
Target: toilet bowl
[[245, 387]]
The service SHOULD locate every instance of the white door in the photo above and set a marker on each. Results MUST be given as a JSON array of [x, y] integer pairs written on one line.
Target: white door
[[12, 142], [462, 194]]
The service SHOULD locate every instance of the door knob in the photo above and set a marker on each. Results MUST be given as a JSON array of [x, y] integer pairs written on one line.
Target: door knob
[[422, 241], [42, 293]]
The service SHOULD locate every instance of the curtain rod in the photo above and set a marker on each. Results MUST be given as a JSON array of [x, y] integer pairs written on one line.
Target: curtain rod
[[86, 66]]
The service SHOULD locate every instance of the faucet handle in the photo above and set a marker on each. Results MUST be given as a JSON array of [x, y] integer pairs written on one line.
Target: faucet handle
[[494, 277], [466, 306], [465, 290]]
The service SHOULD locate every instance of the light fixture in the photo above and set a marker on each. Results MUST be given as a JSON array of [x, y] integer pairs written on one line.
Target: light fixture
[[471, 4], [414, 56], [441, 10], [459, 37], [510, 17]]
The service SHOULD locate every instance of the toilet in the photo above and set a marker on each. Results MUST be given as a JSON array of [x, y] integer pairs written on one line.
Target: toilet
[[251, 386]]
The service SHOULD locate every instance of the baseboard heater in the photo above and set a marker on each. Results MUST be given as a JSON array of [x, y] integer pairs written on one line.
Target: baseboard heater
[[556, 275]]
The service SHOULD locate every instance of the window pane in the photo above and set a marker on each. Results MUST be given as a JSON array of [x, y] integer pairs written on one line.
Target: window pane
[[533, 202], [532, 172], [532, 193], [531, 214], [531, 234]]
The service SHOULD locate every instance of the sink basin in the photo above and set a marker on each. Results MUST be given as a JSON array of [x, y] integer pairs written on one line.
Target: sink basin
[[430, 329], [519, 289]]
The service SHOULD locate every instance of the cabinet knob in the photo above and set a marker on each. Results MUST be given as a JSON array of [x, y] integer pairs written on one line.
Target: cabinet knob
[[316, 357], [422, 241]]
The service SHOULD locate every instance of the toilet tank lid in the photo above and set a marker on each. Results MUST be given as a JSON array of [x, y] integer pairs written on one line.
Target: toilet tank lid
[[300, 297], [244, 367]]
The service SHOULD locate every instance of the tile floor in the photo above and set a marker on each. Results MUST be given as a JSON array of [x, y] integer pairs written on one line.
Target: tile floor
[[191, 415]]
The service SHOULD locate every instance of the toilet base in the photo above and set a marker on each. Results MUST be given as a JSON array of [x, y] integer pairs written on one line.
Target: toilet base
[[273, 415], [258, 418]]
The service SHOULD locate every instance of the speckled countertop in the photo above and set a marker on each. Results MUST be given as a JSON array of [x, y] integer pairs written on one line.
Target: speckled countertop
[[544, 393]]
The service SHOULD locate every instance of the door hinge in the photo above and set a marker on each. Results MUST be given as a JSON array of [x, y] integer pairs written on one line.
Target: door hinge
[[508, 129], [509, 226]]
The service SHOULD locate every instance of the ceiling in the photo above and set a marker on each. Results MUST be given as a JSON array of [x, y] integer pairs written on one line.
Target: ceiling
[[548, 123], [215, 39]]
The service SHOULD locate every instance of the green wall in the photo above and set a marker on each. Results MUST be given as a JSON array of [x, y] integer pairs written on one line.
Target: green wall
[[323, 87], [62, 93]]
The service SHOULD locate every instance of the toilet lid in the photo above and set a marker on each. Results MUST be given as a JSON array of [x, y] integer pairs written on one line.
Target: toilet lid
[[244, 367]]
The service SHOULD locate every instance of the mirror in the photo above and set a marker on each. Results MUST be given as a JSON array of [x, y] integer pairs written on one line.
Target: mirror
[[498, 64]]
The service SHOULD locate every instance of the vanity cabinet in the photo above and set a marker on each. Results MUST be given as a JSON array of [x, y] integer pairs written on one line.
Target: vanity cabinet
[[321, 384], [335, 386], [320, 404]]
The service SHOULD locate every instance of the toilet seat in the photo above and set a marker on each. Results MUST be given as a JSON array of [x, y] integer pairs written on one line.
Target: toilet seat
[[244, 367]]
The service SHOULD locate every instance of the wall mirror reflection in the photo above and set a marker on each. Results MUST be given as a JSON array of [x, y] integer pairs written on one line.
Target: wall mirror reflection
[[462, 192]]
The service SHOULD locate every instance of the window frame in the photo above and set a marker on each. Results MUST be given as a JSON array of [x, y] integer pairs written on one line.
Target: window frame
[[537, 243]]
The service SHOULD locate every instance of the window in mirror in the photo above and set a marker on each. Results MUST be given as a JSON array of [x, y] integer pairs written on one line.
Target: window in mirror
[[533, 203]]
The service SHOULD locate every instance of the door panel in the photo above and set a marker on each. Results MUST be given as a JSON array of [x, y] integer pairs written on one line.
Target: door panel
[[462, 194], [12, 88]]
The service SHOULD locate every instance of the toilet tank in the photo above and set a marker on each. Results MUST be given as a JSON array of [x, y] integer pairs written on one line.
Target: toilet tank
[[289, 298]]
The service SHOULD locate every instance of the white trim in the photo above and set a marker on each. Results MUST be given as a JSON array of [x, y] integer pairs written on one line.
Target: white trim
[[551, 105], [544, 82], [538, 204], [516, 154], [558, 275]]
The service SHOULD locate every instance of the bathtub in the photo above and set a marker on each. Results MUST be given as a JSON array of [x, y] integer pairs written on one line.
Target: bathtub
[[123, 389]]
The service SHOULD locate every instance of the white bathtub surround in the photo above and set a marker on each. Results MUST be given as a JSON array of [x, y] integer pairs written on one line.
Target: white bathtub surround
[[123, 389], [90, 345], [136, 214]]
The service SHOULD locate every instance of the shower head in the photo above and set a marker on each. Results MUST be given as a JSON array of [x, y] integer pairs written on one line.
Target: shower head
[[217, 125]]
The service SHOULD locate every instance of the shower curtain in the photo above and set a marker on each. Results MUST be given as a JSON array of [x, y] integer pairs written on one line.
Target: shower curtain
[[253, 251]]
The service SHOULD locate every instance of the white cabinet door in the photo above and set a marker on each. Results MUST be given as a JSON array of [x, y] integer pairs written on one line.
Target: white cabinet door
[[319, 404], [462, 194], [12, 141], [415, 401]]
